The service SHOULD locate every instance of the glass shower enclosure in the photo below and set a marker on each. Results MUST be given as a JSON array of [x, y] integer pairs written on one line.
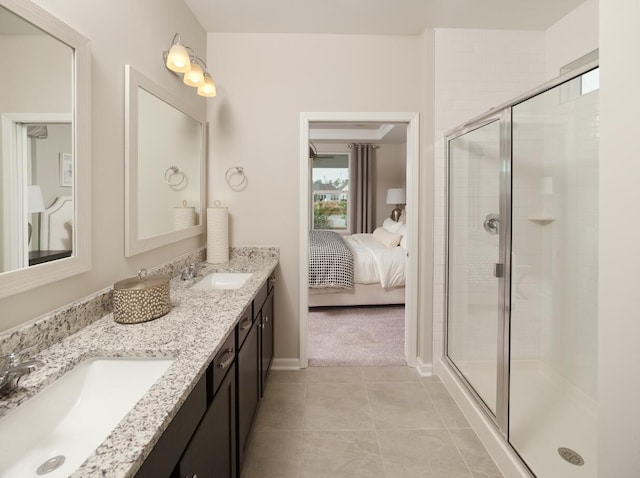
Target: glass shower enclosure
[[522, 268]]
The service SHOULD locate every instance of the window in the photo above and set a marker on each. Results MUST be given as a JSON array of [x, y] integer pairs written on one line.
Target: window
[[590, 81], [330, 191]]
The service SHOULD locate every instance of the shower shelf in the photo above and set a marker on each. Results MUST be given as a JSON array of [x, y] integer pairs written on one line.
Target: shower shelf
[[541, 219]]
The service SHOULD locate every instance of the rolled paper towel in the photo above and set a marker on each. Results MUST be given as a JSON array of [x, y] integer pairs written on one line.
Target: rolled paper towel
[[184, 216], [217, 234]]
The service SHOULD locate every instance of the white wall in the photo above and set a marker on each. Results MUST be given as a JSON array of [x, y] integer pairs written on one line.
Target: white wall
[[46, 161], [475, 70], [43, 84], [571, 37], [45, 170], [390, 172], [24, 92], [619, 320], [144, 29], [158, 150], [264, 82], [554, 308]]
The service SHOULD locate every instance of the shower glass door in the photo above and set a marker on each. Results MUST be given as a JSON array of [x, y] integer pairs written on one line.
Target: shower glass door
[[473, 313], [522, 271], [554, 308]]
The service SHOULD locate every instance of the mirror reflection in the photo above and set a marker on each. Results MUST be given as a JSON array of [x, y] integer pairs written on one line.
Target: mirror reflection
[[36, 143], [169, 156], [165, 164]]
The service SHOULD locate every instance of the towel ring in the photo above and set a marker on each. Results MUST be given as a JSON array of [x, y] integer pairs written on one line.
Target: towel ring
[[236, 185], [175, 178]]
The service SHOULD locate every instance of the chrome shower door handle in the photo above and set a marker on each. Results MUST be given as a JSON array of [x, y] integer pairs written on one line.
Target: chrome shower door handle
[[492, 223]]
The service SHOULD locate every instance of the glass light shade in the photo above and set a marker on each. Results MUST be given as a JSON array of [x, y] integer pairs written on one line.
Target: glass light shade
[[194, 77], [208, 89], [178, 59], [396, 196]]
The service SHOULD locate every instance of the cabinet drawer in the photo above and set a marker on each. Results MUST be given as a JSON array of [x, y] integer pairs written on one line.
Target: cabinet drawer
[[244, 325], [261, 296], [223, 361]]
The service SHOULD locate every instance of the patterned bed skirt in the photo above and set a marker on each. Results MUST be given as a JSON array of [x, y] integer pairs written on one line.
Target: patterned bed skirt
[[330, 261]]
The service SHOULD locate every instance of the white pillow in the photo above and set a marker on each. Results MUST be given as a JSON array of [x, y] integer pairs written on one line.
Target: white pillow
[[386, 238], [391, 225]]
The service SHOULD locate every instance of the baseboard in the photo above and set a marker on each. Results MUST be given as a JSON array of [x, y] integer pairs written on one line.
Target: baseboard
[[424, 369], [285, 364], [505, 458]]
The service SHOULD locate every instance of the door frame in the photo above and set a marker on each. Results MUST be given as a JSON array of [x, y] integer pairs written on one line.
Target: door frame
[[412, 121]]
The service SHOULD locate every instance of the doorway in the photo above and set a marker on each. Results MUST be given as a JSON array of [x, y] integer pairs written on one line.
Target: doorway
[[411, 122]]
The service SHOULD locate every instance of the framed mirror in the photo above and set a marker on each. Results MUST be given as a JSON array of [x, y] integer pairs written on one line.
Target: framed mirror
[[44, 148], [165, 166]]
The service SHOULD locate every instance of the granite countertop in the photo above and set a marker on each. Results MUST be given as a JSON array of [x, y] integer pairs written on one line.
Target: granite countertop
[[192, 333]]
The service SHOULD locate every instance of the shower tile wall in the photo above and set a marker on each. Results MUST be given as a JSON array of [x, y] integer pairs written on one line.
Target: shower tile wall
[[474, 71], [555, 276]]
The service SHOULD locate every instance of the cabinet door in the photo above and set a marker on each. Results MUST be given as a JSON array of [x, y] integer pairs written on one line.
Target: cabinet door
[[266, 341], [248, 363], [212, 451], [167, 452]]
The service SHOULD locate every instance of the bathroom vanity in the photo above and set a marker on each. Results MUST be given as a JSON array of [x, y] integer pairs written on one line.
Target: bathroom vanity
[[197, 417], [210, 433]]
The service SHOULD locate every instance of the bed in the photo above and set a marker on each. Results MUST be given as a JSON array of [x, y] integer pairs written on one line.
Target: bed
[[377, 263], [56, 225]]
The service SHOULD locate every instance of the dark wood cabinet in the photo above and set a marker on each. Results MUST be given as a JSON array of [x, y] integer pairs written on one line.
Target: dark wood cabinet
[[248, 377], [212, 451], [167, 452], [209, 435]]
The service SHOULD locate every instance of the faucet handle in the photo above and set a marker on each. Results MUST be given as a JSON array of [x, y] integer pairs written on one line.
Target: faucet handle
[[189, 272]]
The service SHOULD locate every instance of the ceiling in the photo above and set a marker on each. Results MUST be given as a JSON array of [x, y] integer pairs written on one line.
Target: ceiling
[[375, 17], [376, 133]]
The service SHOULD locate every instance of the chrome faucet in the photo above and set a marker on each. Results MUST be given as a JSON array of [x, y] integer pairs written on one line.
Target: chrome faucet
[[189, 272], [12, 369]]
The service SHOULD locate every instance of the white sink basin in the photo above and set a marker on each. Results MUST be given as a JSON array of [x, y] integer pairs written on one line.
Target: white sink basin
[[72, 416], [222, 280]]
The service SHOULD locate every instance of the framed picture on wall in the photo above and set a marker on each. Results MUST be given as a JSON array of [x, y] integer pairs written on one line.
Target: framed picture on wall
[[66, 169]]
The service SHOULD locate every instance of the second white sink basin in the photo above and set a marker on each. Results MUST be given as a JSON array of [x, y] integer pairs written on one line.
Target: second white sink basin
[[62, 425], [222, 280]]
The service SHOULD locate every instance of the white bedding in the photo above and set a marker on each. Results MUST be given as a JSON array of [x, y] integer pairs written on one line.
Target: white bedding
[[375, 263]]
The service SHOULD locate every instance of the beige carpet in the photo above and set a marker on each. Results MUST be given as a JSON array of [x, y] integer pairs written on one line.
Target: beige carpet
[[356, 336]]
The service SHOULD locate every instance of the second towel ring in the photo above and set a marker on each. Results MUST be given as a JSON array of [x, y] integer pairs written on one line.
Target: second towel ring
[[175, 178], [237, 184]]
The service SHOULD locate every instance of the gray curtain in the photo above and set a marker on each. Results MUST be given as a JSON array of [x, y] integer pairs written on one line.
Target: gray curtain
[[361, 182]]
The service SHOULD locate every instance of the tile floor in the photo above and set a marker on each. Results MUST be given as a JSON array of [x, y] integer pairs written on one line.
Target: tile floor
[[368, 422]]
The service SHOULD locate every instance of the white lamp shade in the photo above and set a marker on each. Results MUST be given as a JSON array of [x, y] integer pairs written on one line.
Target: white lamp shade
[[208, 89], [194, 77], [396, 196], [36, 203], [178, 59]]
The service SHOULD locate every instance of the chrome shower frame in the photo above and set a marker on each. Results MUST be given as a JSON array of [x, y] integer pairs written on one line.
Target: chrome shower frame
[[503, 114]]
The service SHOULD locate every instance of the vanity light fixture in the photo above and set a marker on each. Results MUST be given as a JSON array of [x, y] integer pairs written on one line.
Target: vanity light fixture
[[177, 58], [182, 59], [208, 88], [195, 76]]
